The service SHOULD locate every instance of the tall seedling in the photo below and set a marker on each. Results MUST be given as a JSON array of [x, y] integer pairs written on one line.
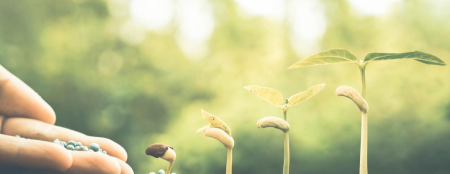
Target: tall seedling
[[345, 56], [275, 98]]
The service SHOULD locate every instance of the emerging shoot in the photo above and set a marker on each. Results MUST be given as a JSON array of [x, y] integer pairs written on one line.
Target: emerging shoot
[[275, 98], [163, 151], [220, 131]]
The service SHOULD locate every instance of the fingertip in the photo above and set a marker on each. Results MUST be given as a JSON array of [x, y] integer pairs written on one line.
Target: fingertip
[[112, 148], [124, 167]]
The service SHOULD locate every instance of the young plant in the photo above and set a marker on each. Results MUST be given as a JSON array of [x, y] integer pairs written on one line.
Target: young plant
[[163, 151], [219, 130], [345, 56], [276, 98]]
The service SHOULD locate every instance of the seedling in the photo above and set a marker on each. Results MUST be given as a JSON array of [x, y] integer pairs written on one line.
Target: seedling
[[219, 130], [345, 56], [276, 98], [163, 151]]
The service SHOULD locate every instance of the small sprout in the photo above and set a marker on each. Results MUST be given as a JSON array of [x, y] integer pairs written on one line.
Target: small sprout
[[353, 94], [159, 150], [274, 122], [219, 130]]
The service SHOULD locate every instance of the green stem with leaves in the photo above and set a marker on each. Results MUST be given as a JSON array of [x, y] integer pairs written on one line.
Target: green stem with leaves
[[286, 148], [364, 127]]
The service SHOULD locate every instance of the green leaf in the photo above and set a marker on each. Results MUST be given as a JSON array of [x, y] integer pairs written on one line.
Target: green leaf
[[305, 95], [214, 122], [416, 55], [268, 94], [326, 57]]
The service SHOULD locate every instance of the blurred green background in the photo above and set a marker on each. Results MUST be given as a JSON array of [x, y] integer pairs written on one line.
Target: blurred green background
[[139, 71]]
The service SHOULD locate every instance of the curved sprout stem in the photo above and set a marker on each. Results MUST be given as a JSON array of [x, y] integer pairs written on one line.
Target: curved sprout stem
[[169, 167]]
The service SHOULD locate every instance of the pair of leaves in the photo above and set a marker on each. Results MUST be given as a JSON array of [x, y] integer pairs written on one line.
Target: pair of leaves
[[345, 56], [214, 122], [275, 98]]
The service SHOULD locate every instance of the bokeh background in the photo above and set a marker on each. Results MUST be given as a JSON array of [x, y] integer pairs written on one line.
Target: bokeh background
[[139, 71]]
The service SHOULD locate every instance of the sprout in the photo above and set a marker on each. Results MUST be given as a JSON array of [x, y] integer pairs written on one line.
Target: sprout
[[218, 130], [275, 98], [159, 150]]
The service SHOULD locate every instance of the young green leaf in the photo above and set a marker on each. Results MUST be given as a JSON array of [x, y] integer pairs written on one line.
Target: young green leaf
[[305, 95], [416, 55], [326, 57], [215, 122], [268, 94]]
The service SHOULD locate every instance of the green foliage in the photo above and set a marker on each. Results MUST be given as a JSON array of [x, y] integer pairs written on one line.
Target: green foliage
[[344, 56], [416, 55], [326, 57], [305, 95]]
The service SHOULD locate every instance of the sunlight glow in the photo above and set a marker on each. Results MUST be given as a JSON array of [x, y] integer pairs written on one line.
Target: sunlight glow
[[153, 14], [268, 8], [372, 7], [308, 23], [195, 22]]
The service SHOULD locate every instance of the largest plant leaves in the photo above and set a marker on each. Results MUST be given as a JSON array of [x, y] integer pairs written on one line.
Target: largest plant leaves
[[326, 57], [416, 55]]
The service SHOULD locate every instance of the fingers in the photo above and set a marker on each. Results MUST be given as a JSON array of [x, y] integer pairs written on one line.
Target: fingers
[[93, 162], [42, 131], [18, 100], [33, 154]]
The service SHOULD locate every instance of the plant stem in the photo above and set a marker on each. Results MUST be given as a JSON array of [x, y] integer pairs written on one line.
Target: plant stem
[[229, 160], [169, 167], [286, 153], [363, 80], [363, 153]]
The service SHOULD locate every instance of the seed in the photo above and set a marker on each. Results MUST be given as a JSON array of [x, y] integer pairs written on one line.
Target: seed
[[64, 144], [90, 150], [94, 146], [105, 152], [70, 147], [18, 136], [161, 171], [57, 141], [78, 148], [152, 173], [84, 148], [78, 144], [71, 142]]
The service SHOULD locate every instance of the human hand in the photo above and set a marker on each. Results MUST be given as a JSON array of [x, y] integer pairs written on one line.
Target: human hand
[[23, 112]]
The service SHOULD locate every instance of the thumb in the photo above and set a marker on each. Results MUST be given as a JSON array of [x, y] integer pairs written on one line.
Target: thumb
[[18, 100]]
